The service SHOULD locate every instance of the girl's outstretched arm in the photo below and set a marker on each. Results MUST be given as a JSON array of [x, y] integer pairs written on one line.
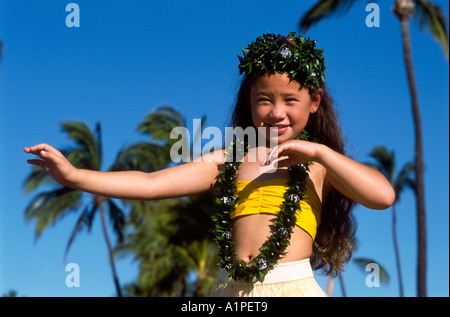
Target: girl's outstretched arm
[[357, 181], [181, 180]]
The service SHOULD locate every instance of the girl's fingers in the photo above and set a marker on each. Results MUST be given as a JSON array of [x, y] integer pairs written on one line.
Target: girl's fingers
[[270, 156], [296, 151], [50, 156], [45, 152], [39, 163], [36, 149], [39, 148]]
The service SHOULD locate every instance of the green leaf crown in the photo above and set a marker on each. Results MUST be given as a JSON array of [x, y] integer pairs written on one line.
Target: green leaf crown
[[291, 54]]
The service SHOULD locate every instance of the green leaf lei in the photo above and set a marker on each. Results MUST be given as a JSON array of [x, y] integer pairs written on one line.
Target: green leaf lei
[[302, 61], [274, 247]]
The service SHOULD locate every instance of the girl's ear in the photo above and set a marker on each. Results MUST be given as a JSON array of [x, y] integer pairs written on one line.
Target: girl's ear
[[315, 100]]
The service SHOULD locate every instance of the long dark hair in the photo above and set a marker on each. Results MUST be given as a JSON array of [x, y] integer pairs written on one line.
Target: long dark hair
[[332, 246]]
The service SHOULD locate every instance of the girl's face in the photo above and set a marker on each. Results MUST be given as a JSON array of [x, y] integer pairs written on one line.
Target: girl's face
[[281, 104]]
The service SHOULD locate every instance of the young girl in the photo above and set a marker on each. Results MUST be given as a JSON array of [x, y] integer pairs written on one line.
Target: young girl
[[273, 227]]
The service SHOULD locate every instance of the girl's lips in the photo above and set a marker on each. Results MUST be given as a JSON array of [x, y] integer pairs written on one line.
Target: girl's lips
[[280, 129]]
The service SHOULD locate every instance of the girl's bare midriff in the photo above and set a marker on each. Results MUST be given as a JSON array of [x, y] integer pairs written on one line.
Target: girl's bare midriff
[[250, 232]]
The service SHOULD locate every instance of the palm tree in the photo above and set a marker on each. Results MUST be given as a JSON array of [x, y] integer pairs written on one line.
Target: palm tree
[[385, 164], [162, 229], [430, 16], [361, 263], [11, 292], [161, 269], [201, 258], [159, 124], [165, 230], [48, 207]]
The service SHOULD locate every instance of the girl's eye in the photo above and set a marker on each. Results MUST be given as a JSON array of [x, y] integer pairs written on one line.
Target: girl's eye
[[263, 100], [291, 100]]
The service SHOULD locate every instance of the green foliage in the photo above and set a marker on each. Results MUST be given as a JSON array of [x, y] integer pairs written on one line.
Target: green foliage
[[54, 202], [432, 17], [362, 264], [323, 9], [168, 238], [385, 164], [302, 61]]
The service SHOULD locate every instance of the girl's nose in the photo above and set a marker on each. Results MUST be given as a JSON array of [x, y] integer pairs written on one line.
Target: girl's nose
[[277, 112]]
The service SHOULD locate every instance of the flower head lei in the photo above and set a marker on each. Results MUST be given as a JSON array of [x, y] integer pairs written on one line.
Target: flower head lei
[[274, 247], [296, 56]]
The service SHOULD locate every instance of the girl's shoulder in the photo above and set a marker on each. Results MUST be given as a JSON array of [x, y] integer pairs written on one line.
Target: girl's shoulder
[[215, 157], [214, 160]]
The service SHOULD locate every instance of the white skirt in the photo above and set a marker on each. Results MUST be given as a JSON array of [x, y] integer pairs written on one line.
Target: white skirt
[[290, 279]]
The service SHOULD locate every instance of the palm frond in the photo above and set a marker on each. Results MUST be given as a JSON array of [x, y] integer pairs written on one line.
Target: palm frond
[[156, 275], [78, 226], [142, 156], [323, 9], [159, 123], [49, 207], [37, 177], [82, 135], [385, 164], [169, 111], [118, 219], [199, 257], [430, 16], [89, 219], [363, 262], [385, 161], [99, 143], [405, 178]]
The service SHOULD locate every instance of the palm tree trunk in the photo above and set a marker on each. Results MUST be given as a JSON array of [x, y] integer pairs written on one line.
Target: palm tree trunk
[[403, 10], [397, 253], [341, 282], [330, 286], [110, 252]]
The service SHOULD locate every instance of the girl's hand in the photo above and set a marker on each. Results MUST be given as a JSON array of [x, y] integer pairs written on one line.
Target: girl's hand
[[53, 162], [297, 152]]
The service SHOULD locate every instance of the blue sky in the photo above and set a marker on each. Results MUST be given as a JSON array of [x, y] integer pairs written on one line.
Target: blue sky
[[129, 57]]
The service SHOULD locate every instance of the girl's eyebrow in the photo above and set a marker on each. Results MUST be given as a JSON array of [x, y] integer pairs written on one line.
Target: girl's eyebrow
[[263, 92], [287, 95], [270, 93]]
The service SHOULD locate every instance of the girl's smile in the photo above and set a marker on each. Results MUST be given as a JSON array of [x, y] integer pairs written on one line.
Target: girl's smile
[[281, 104], [280, 129]]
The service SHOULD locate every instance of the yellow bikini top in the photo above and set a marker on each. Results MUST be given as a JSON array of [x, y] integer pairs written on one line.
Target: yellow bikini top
[[256, 197]]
